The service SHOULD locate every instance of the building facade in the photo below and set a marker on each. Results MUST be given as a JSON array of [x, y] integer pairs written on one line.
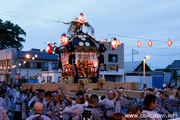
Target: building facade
[[16, 65], [114, 64]]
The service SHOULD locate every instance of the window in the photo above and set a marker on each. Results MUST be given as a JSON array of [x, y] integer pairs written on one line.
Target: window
[[55, 66], [24, 65], [3, 64], [49, 79], [21, 64], [8, 63], [59, 79], [36, 65], [27, 64], [44, 66], [113, 58]]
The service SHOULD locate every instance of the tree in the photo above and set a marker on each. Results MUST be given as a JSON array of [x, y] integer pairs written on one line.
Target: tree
[[174, 77], [11, 35]]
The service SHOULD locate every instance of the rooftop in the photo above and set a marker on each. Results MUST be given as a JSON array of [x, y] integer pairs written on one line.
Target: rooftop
[[175, 64], [41, 55]]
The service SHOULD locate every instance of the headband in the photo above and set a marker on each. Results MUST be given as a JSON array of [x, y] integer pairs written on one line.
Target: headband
[[111, 91], [55, 93], [79, 96]]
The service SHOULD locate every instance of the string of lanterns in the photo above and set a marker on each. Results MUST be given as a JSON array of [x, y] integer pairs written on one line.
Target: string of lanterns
[[150, 43], [114, 42]]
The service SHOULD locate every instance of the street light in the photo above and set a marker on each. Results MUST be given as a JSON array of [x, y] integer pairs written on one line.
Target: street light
[[144, 67], [28, 57], [20, 70]]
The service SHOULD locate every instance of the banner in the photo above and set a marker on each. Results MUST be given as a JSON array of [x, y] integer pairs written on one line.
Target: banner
[[112, 67]]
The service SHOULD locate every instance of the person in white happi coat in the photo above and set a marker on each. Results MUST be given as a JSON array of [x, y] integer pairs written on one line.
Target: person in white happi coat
[[3, 115], [38, 109], [112, 105], [150, 103], [75, 110], [32, 101], [18, 105], [56, 107], [2, 101], [91, 112], [11, 94]]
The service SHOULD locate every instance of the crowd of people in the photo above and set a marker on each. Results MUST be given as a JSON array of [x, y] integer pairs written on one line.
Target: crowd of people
[[18, 104]]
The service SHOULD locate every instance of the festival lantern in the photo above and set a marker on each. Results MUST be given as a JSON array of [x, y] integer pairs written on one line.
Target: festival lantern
[[114, 43], [49, 49], [169, 42], [81, 18], [52, 34], [150, 43], [118, 42], [64, 40], [94, 63], [102, 40], [138, 43]]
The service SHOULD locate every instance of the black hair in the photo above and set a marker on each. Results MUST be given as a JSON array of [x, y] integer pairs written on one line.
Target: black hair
[[178, 88], [117, 116], [133, 109], [41, 90], [38, 90], [80, 93], [17, 86], [150, 89], [171, 87], [3, 91], [93, 99], [33, 93], [25, 91], [149, 99], [48, 93], [161, 92], [121, 88], [102, 97], [4, 83]]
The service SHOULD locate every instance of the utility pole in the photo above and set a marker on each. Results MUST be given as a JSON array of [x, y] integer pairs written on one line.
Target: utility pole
[[134, 52]]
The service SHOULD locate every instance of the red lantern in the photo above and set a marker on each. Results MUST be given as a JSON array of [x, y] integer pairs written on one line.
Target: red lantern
[[81, 18], [119, 42], [138, 44], [114, 43], [94, 63], [150, 43], [64, 40], [169, 42], [49, 49], [102, 40]]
